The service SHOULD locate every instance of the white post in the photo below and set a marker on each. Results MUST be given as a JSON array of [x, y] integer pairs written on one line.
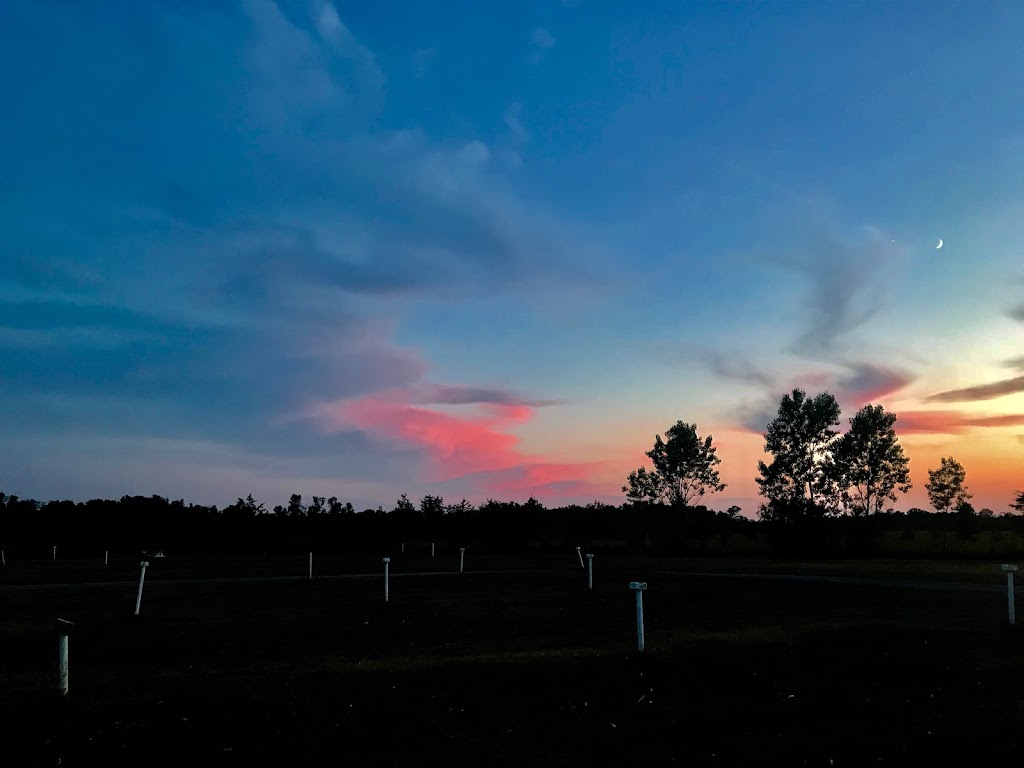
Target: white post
[[590, 572], [403, 547], [54, 553], [387, 568], [462, 557], [1010, 602], [142, 579], [3, 559], [580, 556], [62, 665], [310, 565], [431, 549], [63, 627], [106, 557], [639, 587]]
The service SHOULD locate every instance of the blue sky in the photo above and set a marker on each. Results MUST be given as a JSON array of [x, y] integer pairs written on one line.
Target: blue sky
[[363, 249]]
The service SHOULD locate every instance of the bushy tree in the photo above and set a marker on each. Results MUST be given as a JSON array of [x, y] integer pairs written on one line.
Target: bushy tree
[[1018, 503], [684, 469], [945, 485], [868, 466], [432, 507], [295, 508], [800, 439]]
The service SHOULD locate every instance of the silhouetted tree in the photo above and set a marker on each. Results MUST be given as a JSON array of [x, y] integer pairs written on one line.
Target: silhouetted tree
[[800, 439], [868, 466], [1018, 503], [316, 507], [295, 508], [432, 507], [684, 469], [945, 485]]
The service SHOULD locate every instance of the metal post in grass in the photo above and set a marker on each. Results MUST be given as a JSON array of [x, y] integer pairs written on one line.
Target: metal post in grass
[[54, 553], [311, 565], [403, 547], [590, 572], [639, 587], [1010, 601], [63, 629], [106, 557], [142, 580], [387, 577], [579, 554], [3, 559], [462, 558], [431, 549]]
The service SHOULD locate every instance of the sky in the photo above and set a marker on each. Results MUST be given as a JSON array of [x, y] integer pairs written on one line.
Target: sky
[[489, 250]]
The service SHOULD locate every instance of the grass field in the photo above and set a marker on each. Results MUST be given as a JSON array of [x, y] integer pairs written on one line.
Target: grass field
[[512, 663]]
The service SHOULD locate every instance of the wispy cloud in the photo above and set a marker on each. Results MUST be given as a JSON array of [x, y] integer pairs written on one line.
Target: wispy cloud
[[952, 422], [476, 447], [980, 392], [867, 383], [541, 41], [736, 368], [845, 280], [513, 121], [421, 61]]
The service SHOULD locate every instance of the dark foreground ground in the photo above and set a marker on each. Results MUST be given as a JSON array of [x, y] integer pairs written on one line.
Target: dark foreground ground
[[513, 663]]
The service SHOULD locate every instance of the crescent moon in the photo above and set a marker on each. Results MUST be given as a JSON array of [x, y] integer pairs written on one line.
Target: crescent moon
[[939, 245]]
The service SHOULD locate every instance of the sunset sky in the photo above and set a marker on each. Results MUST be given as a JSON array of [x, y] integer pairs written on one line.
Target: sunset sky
[[491, 249]]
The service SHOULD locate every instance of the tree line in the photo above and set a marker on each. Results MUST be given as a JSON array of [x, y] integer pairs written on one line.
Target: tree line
[[818, 484]]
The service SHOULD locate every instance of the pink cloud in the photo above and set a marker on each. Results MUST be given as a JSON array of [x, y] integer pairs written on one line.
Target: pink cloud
[[475, 443], [951, 422]]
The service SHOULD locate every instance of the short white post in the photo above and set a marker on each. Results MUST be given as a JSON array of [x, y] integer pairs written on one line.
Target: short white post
[[462, 558], [63, 628], [106, 557], [1010, 602], [579, 554], [403, 547], [590, 572], [54, 553], [431, 549], [142, 579], [3, 559], [639, 587], [387, 577], [310, 565]]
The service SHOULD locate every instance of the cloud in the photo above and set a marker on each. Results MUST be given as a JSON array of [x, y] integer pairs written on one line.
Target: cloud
[[476, 447], [345, 45], [541, 41], [1020, 439], [462, 395], [855, 385], [980, 392], [736, 368], [952, 422], [845, 283], [513, 121], [421, 61], [867, 383]]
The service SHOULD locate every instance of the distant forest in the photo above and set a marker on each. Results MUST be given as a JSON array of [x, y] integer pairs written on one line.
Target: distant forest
[[825, 493], [28, 529]]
